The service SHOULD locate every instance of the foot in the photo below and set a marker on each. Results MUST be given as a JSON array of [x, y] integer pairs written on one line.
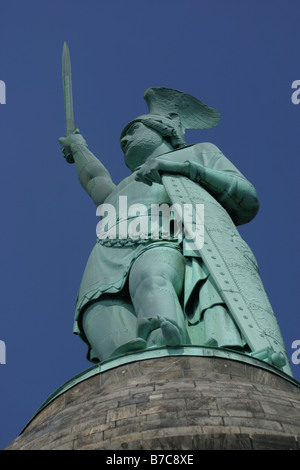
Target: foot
[[211, 343], [133, 345], [171, 333], [147, 325]]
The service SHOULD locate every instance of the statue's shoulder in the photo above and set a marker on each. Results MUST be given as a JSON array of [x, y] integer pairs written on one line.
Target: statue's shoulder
[[204, 153], [206, 147], [199, 148]]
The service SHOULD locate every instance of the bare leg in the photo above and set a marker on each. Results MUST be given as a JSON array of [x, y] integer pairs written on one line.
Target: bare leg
[[110, 327], [155, 284]]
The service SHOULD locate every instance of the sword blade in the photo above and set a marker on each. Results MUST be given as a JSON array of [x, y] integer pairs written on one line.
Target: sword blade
[[67, 88]]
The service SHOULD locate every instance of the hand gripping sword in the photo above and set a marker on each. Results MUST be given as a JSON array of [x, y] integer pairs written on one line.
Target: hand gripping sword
[[68, 98]]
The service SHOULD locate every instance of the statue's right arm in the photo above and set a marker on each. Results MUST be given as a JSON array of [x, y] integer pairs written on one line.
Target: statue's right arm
[[92, 174]]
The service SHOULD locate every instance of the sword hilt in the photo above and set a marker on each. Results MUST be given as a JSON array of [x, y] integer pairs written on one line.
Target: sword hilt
[[68, 155]]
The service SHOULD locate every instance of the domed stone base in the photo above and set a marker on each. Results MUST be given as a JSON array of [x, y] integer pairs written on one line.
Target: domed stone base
[[170, 403]]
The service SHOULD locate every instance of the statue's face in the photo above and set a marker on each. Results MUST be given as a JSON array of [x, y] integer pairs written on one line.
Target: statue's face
[[139, 143]]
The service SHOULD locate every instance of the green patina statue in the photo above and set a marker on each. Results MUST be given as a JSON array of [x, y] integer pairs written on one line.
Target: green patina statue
[[158, 289]]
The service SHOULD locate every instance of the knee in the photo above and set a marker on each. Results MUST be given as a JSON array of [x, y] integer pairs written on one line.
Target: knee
[[147, 283], [153, 273], [150, 283]]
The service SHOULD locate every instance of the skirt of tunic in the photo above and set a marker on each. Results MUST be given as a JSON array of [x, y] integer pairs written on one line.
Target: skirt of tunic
[[107, 272]]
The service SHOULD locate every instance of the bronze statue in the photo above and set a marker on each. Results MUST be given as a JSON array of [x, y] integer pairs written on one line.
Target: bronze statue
[[156, 291]]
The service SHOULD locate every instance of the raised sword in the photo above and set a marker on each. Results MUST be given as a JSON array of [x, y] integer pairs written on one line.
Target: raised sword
[[68, 97]]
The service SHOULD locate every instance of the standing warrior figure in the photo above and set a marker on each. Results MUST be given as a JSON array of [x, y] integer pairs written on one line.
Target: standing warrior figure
[[151, 292]]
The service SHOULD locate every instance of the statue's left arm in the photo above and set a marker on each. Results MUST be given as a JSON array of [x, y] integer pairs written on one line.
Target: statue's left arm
[[234, 192], [221, 179]]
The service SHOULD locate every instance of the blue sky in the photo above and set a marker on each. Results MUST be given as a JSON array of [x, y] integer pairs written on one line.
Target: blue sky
[[239, 56]]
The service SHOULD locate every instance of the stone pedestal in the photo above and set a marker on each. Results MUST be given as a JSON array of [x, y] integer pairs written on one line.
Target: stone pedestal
[[173, 402]]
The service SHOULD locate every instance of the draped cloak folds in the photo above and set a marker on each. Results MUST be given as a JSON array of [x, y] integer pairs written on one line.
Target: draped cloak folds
[[108, 267]]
